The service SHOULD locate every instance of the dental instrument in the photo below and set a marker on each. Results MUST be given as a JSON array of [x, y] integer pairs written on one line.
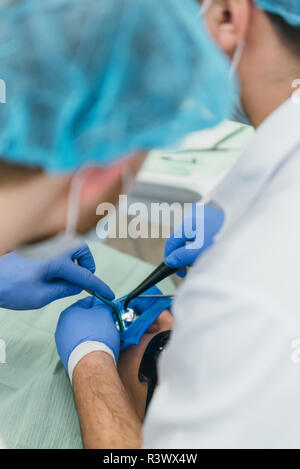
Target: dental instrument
[[160, 273], [113, 306]]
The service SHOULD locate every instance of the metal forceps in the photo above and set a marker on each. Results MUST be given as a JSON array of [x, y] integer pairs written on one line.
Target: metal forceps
[[160, 273]]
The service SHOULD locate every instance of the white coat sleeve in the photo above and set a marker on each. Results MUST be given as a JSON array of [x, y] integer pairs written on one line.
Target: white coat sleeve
[[225, 378]]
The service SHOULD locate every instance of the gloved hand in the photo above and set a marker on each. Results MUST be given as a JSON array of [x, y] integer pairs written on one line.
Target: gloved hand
[[32, 284], [185, 246], [149, 309], [85, 327]]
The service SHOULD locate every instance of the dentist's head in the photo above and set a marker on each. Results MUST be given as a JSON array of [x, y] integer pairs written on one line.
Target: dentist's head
[[262, 38], [89, 83]]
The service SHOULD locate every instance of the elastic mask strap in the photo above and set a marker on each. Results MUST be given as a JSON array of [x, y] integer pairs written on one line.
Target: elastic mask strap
[[65, 241], [237, 58], [74, 202], [127, 180], [204, 7]]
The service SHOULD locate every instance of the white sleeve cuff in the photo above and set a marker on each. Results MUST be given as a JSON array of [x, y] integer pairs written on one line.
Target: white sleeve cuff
[[84, 349]]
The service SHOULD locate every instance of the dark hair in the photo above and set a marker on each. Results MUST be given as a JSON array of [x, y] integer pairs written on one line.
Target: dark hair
[[290, 34], [148, 367]]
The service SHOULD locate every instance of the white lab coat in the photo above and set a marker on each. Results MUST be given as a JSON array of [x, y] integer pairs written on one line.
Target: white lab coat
[[230, 377]]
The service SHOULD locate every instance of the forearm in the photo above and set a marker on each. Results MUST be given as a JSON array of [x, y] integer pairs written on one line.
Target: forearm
[[107, 417]]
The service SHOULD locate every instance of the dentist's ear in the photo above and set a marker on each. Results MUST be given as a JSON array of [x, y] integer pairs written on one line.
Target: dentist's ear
[[228, 22]]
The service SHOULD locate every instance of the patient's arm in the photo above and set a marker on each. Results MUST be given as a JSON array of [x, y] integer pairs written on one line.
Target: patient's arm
[[107, 418]]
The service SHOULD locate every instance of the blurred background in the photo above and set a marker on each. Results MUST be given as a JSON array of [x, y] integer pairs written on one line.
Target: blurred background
[[185, 175]]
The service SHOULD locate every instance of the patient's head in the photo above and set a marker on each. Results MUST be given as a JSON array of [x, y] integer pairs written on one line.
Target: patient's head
[[33, 204], [148, 350]]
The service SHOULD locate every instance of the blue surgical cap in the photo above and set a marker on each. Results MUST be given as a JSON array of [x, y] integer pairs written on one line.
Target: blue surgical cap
[[289, 10], [93, 80]]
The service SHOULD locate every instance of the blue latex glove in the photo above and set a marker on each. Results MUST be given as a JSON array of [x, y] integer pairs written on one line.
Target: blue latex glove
[[184, 247], [149, 309], [87, 320], [32, 284]]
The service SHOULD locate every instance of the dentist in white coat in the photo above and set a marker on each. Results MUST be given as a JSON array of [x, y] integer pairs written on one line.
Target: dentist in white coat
[[230, 377]]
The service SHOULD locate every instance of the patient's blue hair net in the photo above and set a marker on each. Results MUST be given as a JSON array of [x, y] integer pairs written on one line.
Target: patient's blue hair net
[[93, 80], [289, 10]]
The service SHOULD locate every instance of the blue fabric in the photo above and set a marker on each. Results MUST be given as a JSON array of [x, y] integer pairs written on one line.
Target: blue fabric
[[93, 80], [289, 10]]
